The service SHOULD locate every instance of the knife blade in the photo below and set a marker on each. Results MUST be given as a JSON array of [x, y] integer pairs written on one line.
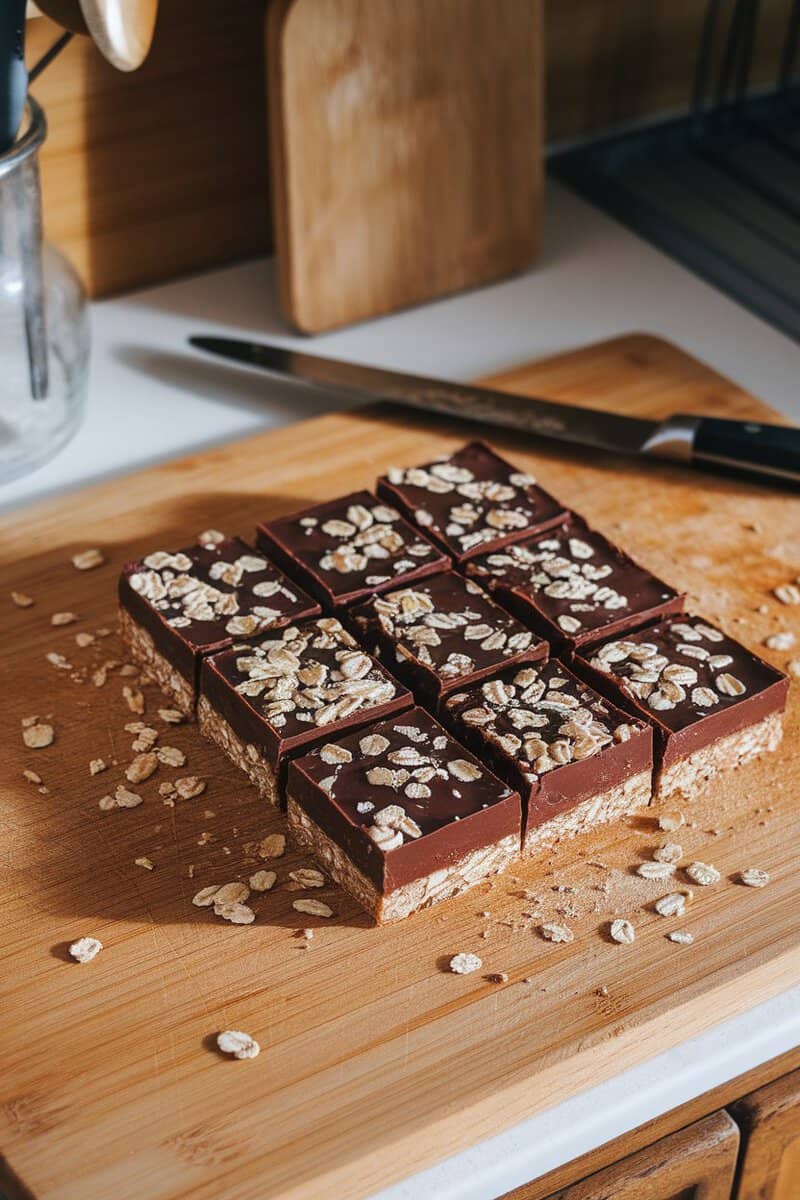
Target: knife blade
[[769, 452]]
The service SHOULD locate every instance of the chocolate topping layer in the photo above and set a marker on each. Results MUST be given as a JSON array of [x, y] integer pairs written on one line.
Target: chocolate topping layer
[[203, 598], [443, 632], [304, 684], [403, 799], [550, 735], [573, 585], [349, 548], [471, 500], [692, 681]]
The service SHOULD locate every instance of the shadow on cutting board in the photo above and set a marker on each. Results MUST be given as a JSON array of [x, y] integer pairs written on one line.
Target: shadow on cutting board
[[89, 857]]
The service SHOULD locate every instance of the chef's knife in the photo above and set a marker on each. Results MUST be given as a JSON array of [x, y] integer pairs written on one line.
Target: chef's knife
[[767, 451]]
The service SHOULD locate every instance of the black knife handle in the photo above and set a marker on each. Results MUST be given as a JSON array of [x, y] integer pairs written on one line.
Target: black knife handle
[[768, 450]]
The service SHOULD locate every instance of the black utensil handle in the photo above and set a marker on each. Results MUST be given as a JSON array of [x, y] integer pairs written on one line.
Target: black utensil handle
[[770, 450]]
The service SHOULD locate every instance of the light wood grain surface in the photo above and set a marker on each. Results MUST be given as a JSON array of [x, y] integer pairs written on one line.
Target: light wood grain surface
[[375, 1061], [406, 143]]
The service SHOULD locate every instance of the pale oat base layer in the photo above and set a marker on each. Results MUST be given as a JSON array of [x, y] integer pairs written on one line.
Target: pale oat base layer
[[144, 653], [683, 779], [420, 893], [601, 809], [244, 756]]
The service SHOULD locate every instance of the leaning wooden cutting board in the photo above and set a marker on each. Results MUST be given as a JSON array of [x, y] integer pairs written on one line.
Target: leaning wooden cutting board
[[406, 150], [375, 1060]]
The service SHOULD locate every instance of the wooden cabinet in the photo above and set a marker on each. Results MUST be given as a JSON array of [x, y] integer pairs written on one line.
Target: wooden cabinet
[[769, 1122], [695, 1163]]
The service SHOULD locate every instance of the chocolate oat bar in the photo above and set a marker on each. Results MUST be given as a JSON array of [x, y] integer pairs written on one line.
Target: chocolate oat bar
[[443, 632], [306, 683], [576, 760], [712, 703], [401, 815], [349, 548], [177, 606], [472, 501], [573, 586]]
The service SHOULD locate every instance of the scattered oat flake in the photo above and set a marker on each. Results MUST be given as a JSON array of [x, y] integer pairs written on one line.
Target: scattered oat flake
[[497, 977], [240, 1045], [231, 893], [32, 776], [145, 739], [622, 931], [96, 765], [36, 737], [783, 640], [63, 618], [171, 756], [681, 936], [142, 767], [171, 716], [133, 698], [85, 949], [465, 964], [671, 905], [308, 877], [189, 786], [145, 862], [702, 874], [670, 852], [272, 846], [236, 913], [87, 560], [122, 798], [58, 661], [655, 870], [754, 877], [787, 593], [314, 908], [84, 639], [22, 599], [793, 668], [669, 822], [262, 881], [553, 932], [205, 897]]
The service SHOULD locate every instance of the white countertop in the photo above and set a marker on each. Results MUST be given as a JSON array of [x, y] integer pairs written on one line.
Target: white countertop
[[152, 398]]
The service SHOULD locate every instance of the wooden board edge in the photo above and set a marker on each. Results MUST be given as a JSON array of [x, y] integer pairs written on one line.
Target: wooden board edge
[[636, 341], [605, 1155], [637, 1042]]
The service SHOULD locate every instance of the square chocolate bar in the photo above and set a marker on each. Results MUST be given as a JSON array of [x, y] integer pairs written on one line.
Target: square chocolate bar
[[345, 550], [401, 815], [443, 632], [576, 760], [573, 586], [306, 684], [713, 704], [471, 501], [177, 606]]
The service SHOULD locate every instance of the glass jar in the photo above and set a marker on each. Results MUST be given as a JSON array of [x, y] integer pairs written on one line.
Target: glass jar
[[44, 328]]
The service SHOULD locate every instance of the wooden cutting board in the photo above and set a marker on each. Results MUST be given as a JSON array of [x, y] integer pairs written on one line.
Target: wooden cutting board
[[375, 1060], [406, 148]]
